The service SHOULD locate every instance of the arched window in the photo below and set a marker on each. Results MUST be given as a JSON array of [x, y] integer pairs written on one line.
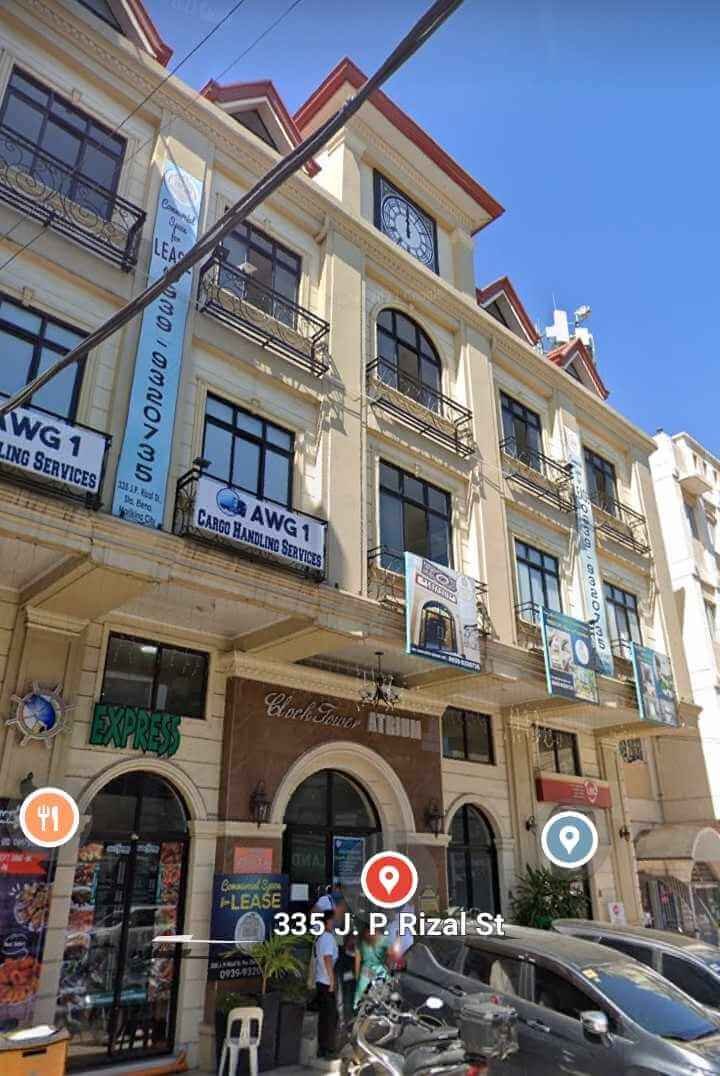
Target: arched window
[[331, 828], [407, 359], [437, 628], [472, 862]]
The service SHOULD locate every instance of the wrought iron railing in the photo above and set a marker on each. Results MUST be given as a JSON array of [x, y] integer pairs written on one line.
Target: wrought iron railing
[[262, 314], [47, 481], [422, 407], [557, 487], [529, 613], [621, 648], [634, 531], [184, 524], [45, 188], [386, 582]]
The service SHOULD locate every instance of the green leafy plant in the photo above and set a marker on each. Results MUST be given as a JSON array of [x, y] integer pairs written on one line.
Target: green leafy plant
[[233, 1000], [541, 896], [276, 959]]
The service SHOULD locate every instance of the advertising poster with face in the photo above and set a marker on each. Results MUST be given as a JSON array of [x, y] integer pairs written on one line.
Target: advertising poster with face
[[569, 664], [441, 614], [655, 686]]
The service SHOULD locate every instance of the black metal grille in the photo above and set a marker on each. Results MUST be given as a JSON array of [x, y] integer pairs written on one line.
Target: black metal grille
[[633, 529], [386, 582], [557, 487], [421, 406], [262, 314], [92, 216]]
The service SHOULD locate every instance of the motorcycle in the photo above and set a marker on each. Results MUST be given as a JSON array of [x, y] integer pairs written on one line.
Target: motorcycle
[[424, 1044]]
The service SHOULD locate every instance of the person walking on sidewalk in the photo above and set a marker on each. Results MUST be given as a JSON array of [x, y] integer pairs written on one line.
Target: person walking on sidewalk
[[326, 954]]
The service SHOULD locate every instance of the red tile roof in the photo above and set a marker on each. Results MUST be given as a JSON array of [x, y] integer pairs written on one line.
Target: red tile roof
[[575, 349], [248, 91], [347, 71], [161, 51], [503, 285]]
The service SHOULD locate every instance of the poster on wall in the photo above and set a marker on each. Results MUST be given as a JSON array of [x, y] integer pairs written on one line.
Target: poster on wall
[[655, 686], [441, 616], [569, 665], [141, 482], [24, 902], [243, 907], [587, 556], [348, 861]]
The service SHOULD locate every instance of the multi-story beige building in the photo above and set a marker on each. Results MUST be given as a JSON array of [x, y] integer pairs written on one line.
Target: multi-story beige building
[[203, 527]]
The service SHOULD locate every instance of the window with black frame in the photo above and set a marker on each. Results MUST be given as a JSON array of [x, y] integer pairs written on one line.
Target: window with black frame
[[153, 676], [623, 619], [557, 751], [538, 580], [522, 432], [601, 482], [467, 735], [248, 452], [61, 146], [263, 272], [414, 518], [472, 861], [30, 343], [407, 359]]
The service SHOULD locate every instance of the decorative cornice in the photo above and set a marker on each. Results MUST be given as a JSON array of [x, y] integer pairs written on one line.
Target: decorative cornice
[[42, 620]]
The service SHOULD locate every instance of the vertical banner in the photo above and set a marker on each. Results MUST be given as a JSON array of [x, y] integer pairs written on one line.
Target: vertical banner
[[24, 904], [569, 666], [243, 909], [441, 615], [588, 559], [655, 686], [141, 482]]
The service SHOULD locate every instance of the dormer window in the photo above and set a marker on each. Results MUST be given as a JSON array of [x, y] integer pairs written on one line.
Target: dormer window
[[254, 122], [407, 359], [102, 9], [401, 220]]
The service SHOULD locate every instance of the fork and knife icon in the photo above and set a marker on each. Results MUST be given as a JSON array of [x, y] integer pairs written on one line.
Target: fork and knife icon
[[49, 813]]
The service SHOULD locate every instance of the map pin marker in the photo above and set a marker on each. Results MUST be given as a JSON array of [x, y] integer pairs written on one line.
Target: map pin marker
[[569, 837], [390, 876]]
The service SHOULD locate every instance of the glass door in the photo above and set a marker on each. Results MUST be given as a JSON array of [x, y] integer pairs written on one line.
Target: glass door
[[117, 990]]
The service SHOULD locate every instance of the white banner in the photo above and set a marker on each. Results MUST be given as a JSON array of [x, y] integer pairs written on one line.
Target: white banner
[[590, 579], [238, 517], [50, 448], [441, 615]]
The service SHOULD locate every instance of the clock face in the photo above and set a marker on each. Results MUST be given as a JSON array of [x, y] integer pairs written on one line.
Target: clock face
[[409, 228]]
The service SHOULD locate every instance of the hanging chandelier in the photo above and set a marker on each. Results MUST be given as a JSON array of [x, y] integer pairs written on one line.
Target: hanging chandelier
[[379, 691]]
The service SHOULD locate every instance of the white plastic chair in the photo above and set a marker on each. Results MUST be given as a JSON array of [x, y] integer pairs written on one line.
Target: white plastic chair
[[242, 1040]]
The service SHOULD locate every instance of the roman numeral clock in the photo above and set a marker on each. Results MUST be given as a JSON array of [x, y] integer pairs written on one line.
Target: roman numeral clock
[[405, 223]]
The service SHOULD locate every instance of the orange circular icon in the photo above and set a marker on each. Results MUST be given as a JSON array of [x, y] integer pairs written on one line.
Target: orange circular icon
[[49, 817]]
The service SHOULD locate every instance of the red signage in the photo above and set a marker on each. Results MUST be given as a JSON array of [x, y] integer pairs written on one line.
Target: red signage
[[23, 863], [589, 793]]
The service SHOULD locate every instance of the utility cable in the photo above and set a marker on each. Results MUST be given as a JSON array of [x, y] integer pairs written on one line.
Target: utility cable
[[259, 193]]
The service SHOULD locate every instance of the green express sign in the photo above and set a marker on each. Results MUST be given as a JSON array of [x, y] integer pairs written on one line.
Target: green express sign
[[131, 726]]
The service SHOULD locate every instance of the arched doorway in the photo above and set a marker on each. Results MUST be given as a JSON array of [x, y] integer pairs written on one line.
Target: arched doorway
[[331, 828], [118, 992], [472, 862]]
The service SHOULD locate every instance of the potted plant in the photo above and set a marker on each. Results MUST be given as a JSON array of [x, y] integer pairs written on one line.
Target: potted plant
[[294, 996], [276, 960], [541, 896]]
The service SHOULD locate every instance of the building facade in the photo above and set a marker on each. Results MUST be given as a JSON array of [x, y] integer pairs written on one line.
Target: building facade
[[204, 524]]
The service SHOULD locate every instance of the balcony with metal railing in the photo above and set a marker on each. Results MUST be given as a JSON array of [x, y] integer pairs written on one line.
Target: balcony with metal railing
[[538, 474], [619, 522], [45, 188], [420, 406], [263, 314], [386, 583]]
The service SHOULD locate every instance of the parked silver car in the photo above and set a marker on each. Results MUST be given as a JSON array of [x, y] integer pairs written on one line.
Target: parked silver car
[[692, 965], [582, 1008]]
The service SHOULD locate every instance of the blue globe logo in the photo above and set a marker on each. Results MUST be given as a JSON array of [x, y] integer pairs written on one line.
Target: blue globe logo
[[38, 713], [229, 502]]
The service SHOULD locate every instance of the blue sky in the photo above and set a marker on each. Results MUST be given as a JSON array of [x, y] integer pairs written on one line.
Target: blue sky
[[594, 125]]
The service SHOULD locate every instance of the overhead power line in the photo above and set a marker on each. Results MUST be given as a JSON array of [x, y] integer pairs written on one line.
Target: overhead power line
[[421, 32]]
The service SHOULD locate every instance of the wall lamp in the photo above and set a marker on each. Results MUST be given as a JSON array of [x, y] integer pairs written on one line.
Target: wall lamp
[[434, 818], [624, 833], [531, 824], [27, 785], [259, 804]]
